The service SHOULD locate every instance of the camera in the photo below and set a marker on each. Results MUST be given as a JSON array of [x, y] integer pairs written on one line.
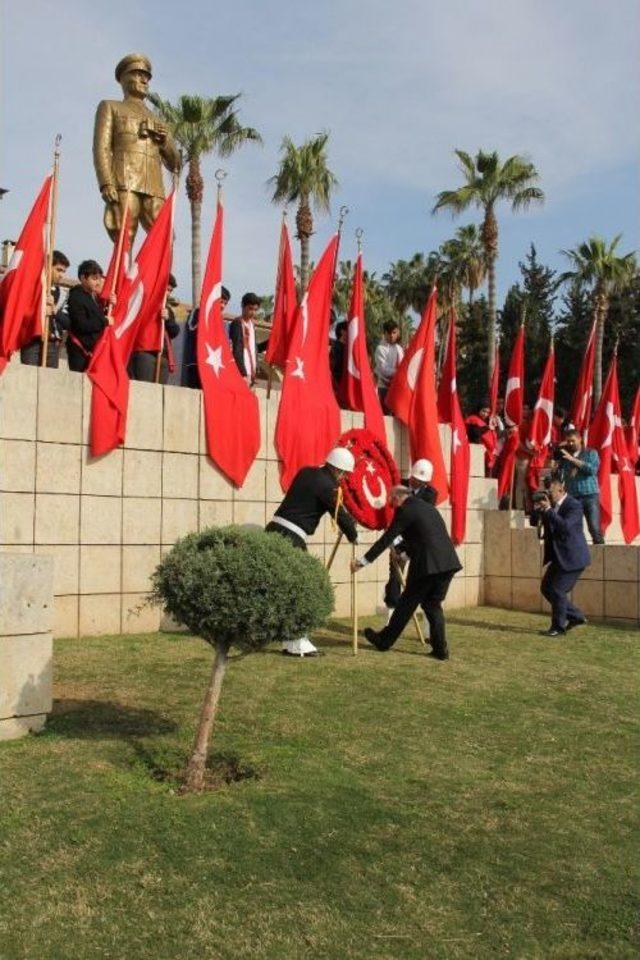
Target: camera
[[539, 497]]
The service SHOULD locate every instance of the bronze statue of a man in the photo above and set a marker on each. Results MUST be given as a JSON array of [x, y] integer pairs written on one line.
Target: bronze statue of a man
[[130, 144]]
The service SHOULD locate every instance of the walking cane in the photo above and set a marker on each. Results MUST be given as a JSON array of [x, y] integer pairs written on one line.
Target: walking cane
[[334, 550], [398, 569]]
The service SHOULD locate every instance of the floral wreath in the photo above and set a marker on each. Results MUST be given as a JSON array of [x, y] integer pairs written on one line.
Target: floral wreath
[[366, 489]]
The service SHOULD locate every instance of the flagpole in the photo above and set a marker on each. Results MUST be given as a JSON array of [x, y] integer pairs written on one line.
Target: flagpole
[[278, 277], [334, 550], [354, 604], [156, 377], [51, 227], [120, 244], [515, 457], [398, 569]]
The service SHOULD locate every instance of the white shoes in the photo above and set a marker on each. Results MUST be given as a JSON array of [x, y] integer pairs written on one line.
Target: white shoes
[[299, 648]]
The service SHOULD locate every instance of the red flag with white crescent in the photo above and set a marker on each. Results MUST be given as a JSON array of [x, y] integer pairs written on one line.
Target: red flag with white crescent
[[633, 430], [540, 428], [308, 423], [413, 397], [583, 393], [22, 288], [231, 411], [358, 388], [460, 452], [606, 435], [284, 306], [116, 274], [140, 300], [514, 388]]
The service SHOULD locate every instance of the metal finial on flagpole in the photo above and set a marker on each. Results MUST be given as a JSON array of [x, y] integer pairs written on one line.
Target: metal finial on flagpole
[[220, 175], [359, 236], [343, 213]]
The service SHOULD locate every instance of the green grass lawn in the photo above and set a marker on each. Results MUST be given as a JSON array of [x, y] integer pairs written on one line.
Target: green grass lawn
[[403, 808]]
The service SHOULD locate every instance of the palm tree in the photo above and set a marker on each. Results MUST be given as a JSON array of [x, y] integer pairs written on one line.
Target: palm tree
[[597, 266], [488, 181], [304, 176], [200, 125], [465, 254]]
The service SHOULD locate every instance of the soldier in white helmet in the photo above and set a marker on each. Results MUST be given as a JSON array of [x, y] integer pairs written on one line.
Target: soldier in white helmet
[[313, 492], [420, 484]]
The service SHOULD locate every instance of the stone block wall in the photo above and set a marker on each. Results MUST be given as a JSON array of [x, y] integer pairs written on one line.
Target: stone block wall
[[608, 590], [26, 646], [107, 521]]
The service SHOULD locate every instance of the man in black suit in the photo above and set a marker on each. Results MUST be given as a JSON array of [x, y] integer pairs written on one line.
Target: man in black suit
[[87, 319], [433, 564], [566, 553]]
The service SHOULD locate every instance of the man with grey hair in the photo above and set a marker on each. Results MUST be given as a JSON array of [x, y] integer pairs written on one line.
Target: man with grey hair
[[433, 564]]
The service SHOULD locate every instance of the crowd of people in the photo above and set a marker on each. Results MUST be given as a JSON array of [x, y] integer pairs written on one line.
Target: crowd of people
[[78, 314], [568, 459]]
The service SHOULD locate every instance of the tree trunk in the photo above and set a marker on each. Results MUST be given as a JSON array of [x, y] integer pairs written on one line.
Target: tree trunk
[[304, 225], [196, 252], [490, 242], [194, 774], [195, 190], [602, 308]]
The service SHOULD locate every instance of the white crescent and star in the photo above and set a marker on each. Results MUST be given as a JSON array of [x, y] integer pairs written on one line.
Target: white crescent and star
[[135, 302], [352, 337], [413, 368], [547, 406], [299, 370], [513, 383], [214, 359]]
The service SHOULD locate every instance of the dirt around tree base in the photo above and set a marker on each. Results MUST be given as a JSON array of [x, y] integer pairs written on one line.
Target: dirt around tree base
[[222, 770]]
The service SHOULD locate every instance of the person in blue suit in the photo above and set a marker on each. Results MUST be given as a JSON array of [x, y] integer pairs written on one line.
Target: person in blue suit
[[566, 555]]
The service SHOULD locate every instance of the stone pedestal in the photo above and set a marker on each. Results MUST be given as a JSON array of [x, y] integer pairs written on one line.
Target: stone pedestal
[[26, 647]]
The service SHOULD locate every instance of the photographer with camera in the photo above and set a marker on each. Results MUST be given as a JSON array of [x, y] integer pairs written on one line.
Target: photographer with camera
[[566, 554], [577, 467]]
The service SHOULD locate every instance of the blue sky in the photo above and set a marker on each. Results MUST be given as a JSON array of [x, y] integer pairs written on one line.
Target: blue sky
[[397, 85]]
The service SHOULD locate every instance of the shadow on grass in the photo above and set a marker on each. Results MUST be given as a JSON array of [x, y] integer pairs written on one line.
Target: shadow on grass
[[491, 625], [103, 719]]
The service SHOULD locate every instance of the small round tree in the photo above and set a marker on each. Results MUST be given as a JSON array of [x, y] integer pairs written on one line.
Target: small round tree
[[242, 587]]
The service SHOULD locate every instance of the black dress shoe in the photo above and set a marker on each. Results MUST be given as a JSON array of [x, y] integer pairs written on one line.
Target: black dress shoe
[[572, 622], [371, 636], [438, 655], [553, 632]]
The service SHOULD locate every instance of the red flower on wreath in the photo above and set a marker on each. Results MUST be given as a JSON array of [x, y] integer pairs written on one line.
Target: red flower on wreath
[[366, 489]]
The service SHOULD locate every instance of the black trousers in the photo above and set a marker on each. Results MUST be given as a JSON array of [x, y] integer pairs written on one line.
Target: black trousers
[[142, 366], [555, 587], [31, 354], [429, 593], [393, 586], [289, 535]]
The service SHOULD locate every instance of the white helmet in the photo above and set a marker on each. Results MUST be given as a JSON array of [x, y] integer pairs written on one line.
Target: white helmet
[[341, 459], [422, 470]]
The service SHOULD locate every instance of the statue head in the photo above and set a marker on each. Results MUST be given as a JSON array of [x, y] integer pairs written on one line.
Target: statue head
[[133, 73]]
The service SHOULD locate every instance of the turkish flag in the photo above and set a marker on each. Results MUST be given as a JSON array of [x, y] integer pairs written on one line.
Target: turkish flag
[[606, 434], [308, 422], [514, 390], [357, 388], [412, 396], [460, 452], [22, 288], [513, 403], [109, 395], [633, 430], [117, 270], [231, 411], [141, 297], [494, 386], [284, 306], [583, 393], [540, 427]]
